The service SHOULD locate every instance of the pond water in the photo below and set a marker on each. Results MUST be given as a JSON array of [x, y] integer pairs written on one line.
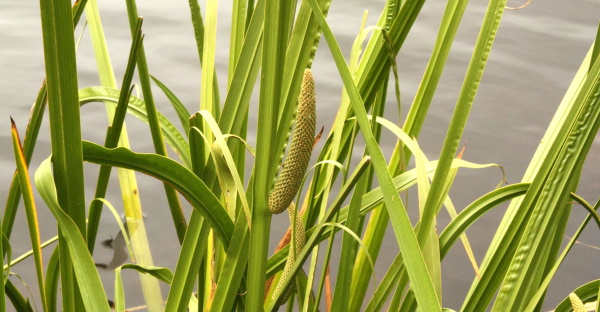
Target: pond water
[[534, 58]]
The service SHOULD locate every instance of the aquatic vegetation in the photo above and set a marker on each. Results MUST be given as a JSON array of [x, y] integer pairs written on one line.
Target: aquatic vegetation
[[224, 262]]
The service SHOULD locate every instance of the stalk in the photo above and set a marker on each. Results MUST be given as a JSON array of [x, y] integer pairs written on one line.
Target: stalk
[[33, 127], [159, 145], [417, 271], [65, 131], [270, 88], [135, 221], [415, 119], [127, 180]]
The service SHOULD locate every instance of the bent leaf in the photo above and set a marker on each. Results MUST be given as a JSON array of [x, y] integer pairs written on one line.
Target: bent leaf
[[88, 280], [138, 109], [171, 172]]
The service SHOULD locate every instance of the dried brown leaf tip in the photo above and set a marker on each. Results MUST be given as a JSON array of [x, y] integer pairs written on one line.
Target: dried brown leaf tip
[[298, 156]]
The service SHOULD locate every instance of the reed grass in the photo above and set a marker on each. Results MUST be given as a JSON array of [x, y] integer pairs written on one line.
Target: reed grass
[[224, 263]]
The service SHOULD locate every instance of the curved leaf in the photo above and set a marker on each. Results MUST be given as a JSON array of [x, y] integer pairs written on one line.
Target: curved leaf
[[138, 109], [225, 163], [369, 201], [88, 280], [451, 233], [30, 211], [159, 273], [180, 109], [539, 294], [587, 292], [121, 226], [472, 212], [171, 172]]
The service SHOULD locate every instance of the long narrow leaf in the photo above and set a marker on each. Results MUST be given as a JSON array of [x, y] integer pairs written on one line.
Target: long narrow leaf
[[88, 279], [233, 269], [503, 245], [199, 36], [65, 128], [129, 188], [151, 289], [370, 201], [208, 61], [188, 263], [180, 109], [420, 279], [264, 170], [114, 135], [461, 113], [533, 303], [547, 208], [31, 212], [137, 108], [51, 283], [33, 127], [173, 173]]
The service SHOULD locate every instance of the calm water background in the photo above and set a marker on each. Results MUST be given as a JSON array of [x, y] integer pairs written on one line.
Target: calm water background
[[534, 58]]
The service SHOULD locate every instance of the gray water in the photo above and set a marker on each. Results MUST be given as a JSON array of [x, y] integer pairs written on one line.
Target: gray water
[[534, 58]]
